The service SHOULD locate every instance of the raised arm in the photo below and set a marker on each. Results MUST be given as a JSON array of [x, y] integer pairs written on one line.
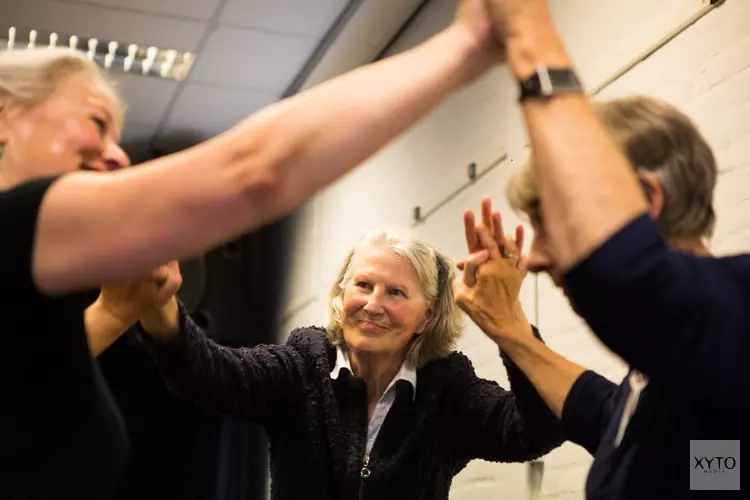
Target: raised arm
[[491, 423], [679, 318], [587, 193], [582, 399], [488, 293], [258, 384], [267, 165]]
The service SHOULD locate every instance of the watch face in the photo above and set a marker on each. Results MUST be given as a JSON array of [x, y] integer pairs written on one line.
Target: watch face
[[547, 82], [565, 79]]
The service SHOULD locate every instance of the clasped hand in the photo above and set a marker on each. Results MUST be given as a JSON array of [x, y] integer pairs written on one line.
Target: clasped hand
[[493, 273], [145, 297], [493, 23]]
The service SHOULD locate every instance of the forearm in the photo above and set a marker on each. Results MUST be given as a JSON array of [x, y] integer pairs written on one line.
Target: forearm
[[102, 328], [252, 383], [587, 188], [162, 324], [551, 374], [254, 173]]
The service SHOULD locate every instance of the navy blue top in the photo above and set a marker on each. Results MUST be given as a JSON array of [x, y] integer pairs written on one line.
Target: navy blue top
[[683, 321]]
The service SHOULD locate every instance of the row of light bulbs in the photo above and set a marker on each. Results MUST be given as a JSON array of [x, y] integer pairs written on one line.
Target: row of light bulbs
[[165, 66]]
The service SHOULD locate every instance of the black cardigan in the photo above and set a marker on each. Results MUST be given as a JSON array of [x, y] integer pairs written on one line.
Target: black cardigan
[[317, 426]]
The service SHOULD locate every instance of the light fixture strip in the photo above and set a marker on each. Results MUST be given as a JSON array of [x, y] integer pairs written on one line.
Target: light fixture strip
[[109, 54]]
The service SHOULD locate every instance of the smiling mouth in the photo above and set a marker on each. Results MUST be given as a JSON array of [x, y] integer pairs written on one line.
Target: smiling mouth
[[370, 326]]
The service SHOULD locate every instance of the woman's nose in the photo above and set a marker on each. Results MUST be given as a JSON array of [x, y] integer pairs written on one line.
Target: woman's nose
[[374, 304], [537, 262], [115, 157]]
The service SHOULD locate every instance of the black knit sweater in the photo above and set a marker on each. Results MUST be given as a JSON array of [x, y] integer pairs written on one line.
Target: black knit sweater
[[317, 426]]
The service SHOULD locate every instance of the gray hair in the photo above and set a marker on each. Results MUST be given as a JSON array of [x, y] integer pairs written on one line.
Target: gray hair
[[656, 138], [29, 76], [436, 274]]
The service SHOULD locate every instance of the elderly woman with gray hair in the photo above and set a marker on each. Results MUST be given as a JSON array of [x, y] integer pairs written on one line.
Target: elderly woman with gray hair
[[378, 404], [675, 313]]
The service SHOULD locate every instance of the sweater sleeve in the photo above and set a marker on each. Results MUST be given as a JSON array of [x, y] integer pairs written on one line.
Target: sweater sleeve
[[681, 319], [256, 384], [589, 409], [491, 423]]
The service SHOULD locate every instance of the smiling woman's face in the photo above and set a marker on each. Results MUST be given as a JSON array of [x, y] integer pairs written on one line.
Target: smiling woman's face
[[383, 303], [71, 129]]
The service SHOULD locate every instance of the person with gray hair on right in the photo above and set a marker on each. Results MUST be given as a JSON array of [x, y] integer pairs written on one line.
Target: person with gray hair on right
[[682, 385]]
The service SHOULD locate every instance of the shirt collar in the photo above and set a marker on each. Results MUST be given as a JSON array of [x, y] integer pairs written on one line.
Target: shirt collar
[[406, 372]]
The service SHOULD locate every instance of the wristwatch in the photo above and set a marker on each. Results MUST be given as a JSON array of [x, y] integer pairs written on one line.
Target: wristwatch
[[548, 82]]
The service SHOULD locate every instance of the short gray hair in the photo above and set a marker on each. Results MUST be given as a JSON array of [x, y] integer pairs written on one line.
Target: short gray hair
[[29, 76], [436, 275], [656, 137]]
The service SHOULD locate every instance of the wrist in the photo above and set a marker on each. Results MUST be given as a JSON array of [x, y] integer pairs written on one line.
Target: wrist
[[472, 54], [535, 42], [516, 328], [163, 322], [108, 316], [518, 345]]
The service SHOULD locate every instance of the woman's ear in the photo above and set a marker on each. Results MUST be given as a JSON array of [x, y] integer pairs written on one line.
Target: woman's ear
[[652, 188], [425, 321]]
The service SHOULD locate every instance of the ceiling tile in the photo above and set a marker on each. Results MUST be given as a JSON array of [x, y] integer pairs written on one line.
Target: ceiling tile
[[138, 132], [310, 18], [207, 111], [364, 36], [251, 60], [189, 9], [101, 22], [146, 98]]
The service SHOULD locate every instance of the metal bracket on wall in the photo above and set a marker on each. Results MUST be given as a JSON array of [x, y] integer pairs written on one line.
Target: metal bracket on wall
[[709, 5], [419, 215]]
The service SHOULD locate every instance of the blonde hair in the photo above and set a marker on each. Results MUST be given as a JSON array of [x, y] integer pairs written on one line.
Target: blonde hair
[[436, 274], [657, 138], [28, 77]]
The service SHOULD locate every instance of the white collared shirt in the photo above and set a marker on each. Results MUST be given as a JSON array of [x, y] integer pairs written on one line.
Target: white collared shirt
[[406, 372]]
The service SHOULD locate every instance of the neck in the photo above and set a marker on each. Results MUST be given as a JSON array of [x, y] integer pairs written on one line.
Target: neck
[[378, 370], [8, 177], [693, 246]]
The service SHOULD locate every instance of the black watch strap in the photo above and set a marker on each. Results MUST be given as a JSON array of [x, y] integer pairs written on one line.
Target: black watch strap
[[548, 82]]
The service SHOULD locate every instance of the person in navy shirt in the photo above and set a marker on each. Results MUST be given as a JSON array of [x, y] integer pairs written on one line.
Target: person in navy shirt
[[620, 197]]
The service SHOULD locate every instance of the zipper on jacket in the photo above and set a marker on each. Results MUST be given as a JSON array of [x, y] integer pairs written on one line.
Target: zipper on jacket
[[364, 473]]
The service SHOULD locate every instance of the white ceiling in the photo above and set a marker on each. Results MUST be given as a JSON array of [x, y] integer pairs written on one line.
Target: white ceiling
[[250, 53]]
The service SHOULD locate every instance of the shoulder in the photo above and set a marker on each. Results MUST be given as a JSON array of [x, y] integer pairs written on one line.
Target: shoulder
[[452, 369], [312, 343], [739, 263], [728, 275], [19, 211]]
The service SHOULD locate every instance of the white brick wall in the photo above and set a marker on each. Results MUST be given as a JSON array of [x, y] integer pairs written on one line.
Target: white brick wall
[[705, 71]]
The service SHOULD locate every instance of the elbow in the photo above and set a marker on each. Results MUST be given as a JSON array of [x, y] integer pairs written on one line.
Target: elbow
[[259, 181]]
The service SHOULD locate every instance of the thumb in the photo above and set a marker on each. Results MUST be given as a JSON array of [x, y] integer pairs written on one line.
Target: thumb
[[472, 263], [159, 275]]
